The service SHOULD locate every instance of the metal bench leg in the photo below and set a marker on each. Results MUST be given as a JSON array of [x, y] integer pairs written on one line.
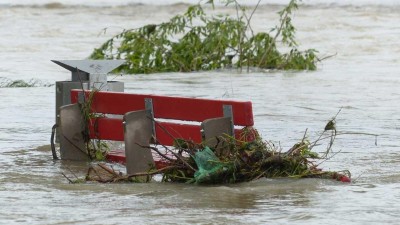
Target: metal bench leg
[[216, 127], [138, 133], [72, 144], [213, 128]]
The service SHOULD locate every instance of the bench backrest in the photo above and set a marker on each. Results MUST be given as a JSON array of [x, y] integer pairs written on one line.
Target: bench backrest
[[177, 109]]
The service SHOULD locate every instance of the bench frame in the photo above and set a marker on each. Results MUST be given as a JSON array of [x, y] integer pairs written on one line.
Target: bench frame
[[143, 119]]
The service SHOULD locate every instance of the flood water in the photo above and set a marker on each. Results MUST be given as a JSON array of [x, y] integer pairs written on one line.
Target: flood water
[[361, 79]]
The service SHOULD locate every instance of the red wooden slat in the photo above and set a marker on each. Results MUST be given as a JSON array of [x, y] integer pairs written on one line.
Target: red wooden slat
[[106, 129], [167, 132], [112, 129], [118, 156], [201, 109], [167, 107], [113, 102]]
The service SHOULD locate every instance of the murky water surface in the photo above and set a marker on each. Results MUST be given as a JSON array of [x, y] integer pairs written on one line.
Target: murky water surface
[[362, 79]]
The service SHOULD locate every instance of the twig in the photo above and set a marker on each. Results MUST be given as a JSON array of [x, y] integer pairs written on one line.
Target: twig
[[69, 180], [151, 173], [251, 16], [156, 150], [179, 157], [183, 161], [304, 136], [169, 134], [326, 158], [326, 57], [333, 137], [128, 176], [259, 176], [69, 169], [334, 118], [278, 32], [162, 128], [98, 175], [303, 144], [320, 137], [80, 81], [72, 143], [356, 179], [107, 169]]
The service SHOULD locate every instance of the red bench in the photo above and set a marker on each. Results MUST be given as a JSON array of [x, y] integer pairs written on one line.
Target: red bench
[[147, 116]]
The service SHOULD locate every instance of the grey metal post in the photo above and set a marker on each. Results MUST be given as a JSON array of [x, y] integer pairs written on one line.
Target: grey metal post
[[217, 127], [87, 75]]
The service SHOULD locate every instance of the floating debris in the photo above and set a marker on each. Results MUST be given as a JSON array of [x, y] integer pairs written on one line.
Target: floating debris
[[231, 161], [234, 161], [8, 83]]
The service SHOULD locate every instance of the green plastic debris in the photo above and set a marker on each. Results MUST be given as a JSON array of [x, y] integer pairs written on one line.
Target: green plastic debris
[[210, 168]]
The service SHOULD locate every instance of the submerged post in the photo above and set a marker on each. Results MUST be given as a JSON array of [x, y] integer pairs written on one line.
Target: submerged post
[[87, 75]]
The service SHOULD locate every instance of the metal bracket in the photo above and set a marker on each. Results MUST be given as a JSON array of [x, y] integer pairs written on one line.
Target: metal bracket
[[148, 104], [72, 143], [213, 128], [228, 112], [137, 134]]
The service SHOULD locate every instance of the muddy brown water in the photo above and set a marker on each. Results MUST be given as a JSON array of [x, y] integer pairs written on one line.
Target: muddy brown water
[[362, 79]]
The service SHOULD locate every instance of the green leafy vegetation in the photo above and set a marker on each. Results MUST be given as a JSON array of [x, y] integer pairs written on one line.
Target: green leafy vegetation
[[195, 41]]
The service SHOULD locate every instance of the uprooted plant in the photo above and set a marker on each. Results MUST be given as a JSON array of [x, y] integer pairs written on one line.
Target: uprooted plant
[[195, 41]]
